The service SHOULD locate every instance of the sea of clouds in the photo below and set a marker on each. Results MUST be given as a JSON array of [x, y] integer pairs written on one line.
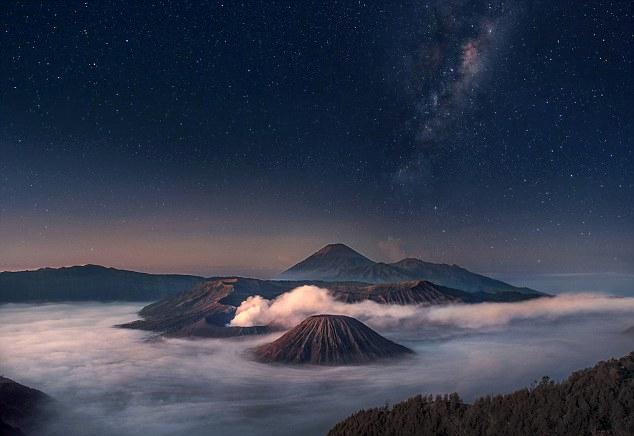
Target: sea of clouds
[[126, 382]]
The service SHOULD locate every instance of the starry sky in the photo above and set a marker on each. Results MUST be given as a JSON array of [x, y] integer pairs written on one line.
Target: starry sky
[[238, 137]]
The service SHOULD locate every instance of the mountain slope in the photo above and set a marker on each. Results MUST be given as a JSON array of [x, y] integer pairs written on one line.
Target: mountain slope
[[596, 401], [338, 262], [327, 262], [455, 276], [22, 408], [207, 308], [413, 292], [329, 340], [90, 282]]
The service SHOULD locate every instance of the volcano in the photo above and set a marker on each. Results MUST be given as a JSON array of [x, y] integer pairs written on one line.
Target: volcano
[[330, 340], [340, 263]]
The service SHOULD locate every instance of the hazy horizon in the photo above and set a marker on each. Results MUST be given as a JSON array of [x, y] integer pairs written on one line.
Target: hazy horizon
[[519, 277], [611, 283]]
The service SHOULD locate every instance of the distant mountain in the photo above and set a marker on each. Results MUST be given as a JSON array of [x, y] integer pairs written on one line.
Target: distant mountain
[[416, 292], [206, 309], [596, 401], [335, 263], [90, 282], [329, 340], [22, 409], [338, 262], [330, 261]]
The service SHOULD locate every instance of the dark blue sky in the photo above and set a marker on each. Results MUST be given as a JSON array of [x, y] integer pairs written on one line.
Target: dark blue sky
[[209, 137]]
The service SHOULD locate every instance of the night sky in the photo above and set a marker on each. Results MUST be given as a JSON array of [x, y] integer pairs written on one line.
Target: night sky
[[205, 137]]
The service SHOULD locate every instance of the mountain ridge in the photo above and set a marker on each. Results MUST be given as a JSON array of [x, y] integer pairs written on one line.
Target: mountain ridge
[[338, 262], [208, 307], [334, 263], [90, 282], [22, 408], [593, 401]]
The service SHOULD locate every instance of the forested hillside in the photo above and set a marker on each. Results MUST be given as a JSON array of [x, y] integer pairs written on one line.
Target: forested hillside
[[596, 401]]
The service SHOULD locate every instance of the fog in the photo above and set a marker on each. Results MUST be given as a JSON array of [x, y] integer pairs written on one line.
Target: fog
[[609, 283], [128, 382], [292, 307]]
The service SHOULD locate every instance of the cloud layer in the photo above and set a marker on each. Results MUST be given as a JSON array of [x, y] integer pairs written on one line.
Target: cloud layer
[[117, 382]]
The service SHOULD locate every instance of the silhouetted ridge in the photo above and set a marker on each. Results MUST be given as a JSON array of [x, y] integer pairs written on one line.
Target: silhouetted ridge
[[340, 263], [333, 257], [90, 282], [330, 340], [22, 409], [596, 401], [339, 250]]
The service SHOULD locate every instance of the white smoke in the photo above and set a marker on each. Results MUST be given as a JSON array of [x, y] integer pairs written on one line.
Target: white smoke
[[292, 307], [286, 310]]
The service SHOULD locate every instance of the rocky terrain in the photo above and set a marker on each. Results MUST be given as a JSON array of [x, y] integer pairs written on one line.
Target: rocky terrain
[[338, 262], [596, 401], [329, 340]]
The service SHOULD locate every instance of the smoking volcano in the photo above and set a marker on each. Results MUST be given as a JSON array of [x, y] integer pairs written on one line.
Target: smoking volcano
[[330, 340]]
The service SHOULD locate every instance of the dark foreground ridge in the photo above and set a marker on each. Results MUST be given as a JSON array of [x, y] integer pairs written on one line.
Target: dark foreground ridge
[[22, 409], [596, 401], [330, 340]]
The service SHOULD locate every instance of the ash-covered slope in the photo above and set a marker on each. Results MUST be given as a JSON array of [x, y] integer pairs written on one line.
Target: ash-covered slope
[[329, 340], [337, 263], [206, 309]]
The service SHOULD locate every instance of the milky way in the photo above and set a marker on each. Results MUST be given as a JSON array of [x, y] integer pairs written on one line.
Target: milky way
[[222, 138], [455, 56]]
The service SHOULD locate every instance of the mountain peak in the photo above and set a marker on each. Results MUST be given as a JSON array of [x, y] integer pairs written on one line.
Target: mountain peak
[[329, 262], [339, 250], [340, 263]]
